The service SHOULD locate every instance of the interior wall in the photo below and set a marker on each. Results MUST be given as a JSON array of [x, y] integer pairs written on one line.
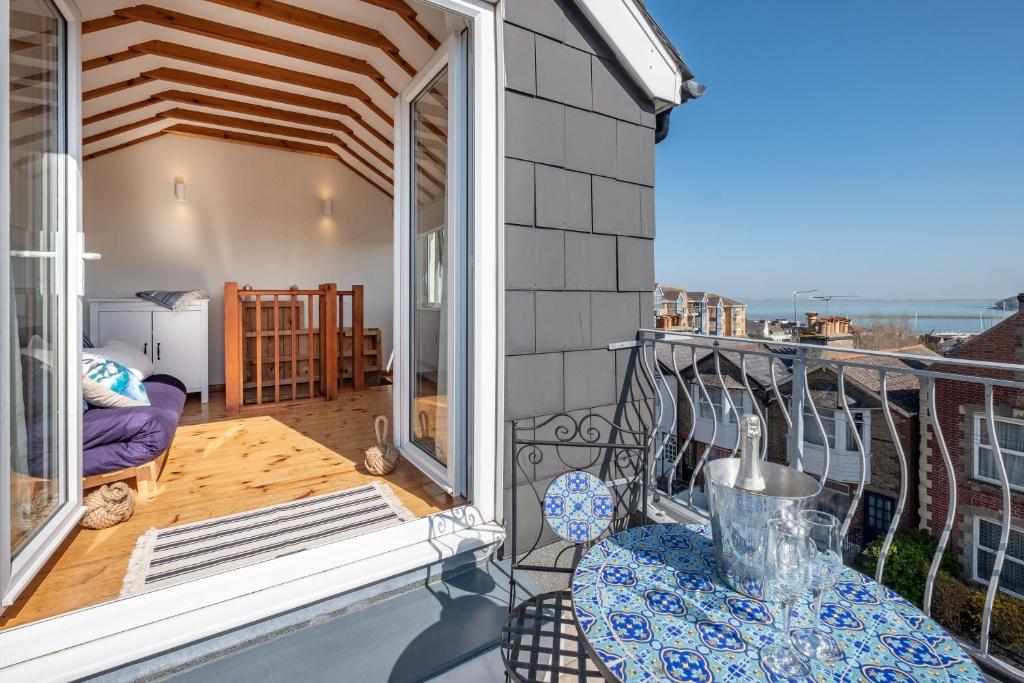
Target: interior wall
[[252, 215]]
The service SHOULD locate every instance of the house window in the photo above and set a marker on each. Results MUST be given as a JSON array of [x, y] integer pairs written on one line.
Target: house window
[[680, 306], [986, 545], [1010, 434], [838, 432], [718, 407]]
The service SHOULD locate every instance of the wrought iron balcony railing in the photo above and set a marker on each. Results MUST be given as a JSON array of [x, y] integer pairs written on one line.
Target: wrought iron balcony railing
[[875, 421]]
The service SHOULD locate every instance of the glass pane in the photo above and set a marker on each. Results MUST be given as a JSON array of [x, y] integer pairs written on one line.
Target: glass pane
[[37, 140], [1014, 466], [430, 267], [813, 435]]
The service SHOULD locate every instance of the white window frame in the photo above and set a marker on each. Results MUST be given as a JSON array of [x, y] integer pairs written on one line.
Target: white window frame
[[981, 427], [976, 546], [451, 476], [115, 633], [430, 297], [17, 574], [721, 408], [838, 417]]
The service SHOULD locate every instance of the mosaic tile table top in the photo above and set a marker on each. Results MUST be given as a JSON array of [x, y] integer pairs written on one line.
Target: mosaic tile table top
[[578, 506], [652, 608]]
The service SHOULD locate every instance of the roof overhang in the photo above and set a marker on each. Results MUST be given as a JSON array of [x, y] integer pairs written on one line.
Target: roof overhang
[[640, 47]]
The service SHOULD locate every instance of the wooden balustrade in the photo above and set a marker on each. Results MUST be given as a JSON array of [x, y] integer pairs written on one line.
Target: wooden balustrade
[[289, 345]]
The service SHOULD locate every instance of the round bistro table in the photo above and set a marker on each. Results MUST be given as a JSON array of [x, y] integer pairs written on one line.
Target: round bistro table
[[651, 607]]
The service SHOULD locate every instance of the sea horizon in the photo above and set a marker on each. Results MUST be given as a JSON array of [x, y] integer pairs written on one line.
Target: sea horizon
[[969, 315]]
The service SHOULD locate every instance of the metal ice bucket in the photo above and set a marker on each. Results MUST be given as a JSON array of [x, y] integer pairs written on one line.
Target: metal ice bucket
[[739, 519]]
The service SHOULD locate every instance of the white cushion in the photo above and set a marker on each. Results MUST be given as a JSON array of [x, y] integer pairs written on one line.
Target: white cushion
[[127, 355]]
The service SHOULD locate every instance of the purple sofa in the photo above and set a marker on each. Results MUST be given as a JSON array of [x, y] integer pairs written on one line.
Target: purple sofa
[[115, 438]]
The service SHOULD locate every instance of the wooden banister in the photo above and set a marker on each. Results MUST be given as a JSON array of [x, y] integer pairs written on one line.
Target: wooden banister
[[306, 329], [232, 347], [357, 337]]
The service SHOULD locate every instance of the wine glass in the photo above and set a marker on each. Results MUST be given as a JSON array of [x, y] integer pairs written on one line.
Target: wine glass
[[787, 569], [824, 533]]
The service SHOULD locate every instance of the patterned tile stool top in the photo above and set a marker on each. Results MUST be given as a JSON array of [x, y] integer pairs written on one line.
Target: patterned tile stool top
[[578, 506], [652, 608]]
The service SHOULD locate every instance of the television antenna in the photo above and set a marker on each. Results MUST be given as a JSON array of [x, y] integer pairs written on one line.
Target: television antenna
[[827, 298], [796, 321]]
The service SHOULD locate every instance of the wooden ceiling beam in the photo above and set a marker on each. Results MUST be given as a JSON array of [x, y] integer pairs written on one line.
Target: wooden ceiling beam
[[268, 143], [263, 111], [115, 148], [263, 127], [272, 129], [104, 23], [362, 175], [206, 132], [179, 21], [121, 129], [239, 107], [111, 88], [263, 93], [410, 17], [97, 62], [117, 111], [162, 48], [322, 23]]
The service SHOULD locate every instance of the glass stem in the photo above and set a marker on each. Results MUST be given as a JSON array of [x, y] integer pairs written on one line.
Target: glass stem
[[817, 594], [787, 615]]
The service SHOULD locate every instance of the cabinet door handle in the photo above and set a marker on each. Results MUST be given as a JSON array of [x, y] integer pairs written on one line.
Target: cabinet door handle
[[158, 350], [145, 348]]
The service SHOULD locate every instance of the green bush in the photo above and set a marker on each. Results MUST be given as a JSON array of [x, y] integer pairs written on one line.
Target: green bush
[[960, 608], [956, 605], [908, 561]]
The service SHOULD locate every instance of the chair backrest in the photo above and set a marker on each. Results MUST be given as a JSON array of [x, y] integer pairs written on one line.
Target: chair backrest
[[575, 479]]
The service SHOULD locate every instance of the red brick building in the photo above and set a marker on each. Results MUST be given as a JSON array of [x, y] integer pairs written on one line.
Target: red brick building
[[960, 411]]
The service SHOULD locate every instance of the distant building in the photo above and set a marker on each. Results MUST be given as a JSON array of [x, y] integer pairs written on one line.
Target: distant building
[[882, 479], [832, 330], [773, 330], [960, 410], [945, 342], [700, 312]]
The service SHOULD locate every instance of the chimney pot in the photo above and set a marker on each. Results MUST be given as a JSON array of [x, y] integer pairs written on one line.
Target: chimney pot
[[1020, 298]]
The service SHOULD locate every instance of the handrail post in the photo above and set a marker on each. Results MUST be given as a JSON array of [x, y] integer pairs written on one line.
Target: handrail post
[[329, 340], [795, 441], [232, 348], [357, 337]]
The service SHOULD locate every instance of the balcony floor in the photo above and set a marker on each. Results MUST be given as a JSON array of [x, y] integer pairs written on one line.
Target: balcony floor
[[222, 464]]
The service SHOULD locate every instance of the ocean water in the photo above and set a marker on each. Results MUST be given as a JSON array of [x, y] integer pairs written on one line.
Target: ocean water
[[924, 315]]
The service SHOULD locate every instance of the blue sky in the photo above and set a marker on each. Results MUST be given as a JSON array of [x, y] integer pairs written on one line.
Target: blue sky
[[872, 148]]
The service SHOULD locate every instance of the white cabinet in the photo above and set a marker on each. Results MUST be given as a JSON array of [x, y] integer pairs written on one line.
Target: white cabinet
[[176, 342]]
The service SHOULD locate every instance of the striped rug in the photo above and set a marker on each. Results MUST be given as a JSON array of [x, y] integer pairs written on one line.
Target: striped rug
[[164, 557]]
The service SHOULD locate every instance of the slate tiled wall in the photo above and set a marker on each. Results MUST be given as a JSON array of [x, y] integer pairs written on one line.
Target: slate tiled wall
[[579, 239]]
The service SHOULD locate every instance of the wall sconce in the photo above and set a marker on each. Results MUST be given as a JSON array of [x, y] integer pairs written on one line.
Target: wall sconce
[[179, 189], [328, 208]]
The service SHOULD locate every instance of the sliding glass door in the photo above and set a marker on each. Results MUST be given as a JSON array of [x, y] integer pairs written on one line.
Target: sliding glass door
[[431, 237], [39, 472]]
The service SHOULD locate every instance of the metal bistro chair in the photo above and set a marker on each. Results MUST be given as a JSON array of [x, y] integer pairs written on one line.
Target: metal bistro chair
[[601, 488]]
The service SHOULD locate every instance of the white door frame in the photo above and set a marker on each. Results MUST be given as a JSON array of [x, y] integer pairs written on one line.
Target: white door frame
[[111, 634], [450, 56], [17, 573]]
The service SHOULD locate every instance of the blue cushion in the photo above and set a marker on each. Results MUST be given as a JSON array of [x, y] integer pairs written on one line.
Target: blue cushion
[[108, 384]]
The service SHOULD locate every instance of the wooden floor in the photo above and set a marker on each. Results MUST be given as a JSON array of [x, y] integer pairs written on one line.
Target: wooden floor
[[221, 464]]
